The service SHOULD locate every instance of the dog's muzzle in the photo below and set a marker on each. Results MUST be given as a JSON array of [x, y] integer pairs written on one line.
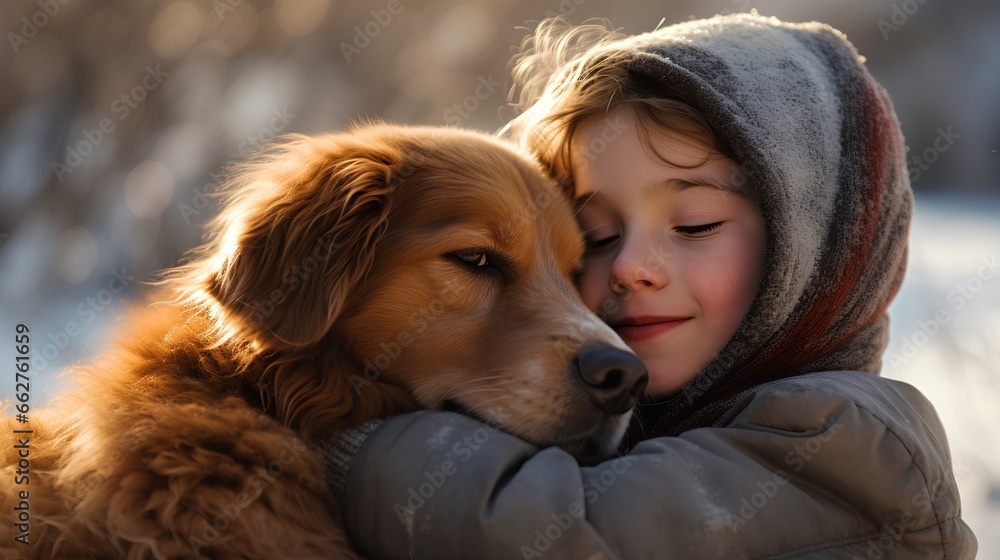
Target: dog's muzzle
[[612, 377]]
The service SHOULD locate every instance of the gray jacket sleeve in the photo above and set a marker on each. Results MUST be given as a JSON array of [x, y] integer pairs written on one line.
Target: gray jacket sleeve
[[826, 466]]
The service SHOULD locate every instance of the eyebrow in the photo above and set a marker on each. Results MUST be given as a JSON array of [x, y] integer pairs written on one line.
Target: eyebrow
[[675, 185], [681, 184]]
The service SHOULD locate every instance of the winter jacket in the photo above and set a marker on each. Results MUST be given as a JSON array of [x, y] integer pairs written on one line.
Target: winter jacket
[[825, 465], [788, 444]]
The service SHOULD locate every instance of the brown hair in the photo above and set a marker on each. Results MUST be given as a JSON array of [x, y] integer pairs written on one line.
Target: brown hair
[[566, 75]]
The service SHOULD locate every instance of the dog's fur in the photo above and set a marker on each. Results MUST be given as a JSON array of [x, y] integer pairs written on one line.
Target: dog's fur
[[343, 280]]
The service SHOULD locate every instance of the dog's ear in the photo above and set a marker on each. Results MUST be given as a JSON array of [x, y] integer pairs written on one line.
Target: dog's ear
[[297, 235]]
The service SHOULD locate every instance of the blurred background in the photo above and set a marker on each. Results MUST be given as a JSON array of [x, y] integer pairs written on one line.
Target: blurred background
[[116, 116]]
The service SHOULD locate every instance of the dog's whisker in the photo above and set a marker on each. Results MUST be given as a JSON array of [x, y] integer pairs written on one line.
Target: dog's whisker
[[479, 380], [479, 405], [482, 389]]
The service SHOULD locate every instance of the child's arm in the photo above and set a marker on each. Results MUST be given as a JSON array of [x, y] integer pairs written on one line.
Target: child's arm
[[805, 466]]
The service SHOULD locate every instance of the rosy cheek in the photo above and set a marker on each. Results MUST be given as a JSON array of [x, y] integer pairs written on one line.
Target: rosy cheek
[[737, 279], [719, 284], [742, 280]]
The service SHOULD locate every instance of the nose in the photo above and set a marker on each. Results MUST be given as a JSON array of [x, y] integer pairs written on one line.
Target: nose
[[612, 377], [639, 266]]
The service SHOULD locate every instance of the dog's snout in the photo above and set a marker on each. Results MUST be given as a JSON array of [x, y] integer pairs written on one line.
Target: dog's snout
[[611, 376]]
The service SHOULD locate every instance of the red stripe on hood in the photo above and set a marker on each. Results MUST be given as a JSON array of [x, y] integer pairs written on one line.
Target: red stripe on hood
[[816, 334]]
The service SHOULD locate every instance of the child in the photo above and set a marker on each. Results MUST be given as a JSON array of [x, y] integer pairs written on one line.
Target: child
[[742, 183]]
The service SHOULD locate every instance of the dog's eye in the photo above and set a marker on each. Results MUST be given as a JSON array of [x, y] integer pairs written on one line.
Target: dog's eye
[[486, 262], [474, 257]]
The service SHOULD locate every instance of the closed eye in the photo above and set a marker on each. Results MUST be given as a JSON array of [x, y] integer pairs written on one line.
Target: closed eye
[[698, 231], [592, 245]]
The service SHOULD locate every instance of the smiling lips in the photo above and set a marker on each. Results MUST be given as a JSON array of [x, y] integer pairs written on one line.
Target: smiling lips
[[645, 326]]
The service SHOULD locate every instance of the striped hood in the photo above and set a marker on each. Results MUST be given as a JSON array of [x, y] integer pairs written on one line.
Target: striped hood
[[819, 138]]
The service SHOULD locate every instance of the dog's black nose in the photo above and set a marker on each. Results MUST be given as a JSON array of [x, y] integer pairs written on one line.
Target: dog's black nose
[[612, 377]]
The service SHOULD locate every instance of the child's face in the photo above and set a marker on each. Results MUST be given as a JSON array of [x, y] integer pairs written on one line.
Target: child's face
[[664, 243]]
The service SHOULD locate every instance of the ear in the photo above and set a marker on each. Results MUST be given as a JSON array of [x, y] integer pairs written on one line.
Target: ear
[[298, 235]]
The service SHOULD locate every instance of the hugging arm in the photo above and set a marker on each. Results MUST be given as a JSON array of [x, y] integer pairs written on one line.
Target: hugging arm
[[783, 476], [505, 498]]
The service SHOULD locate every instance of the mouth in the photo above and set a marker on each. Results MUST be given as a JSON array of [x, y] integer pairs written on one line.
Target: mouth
[[644, 327]]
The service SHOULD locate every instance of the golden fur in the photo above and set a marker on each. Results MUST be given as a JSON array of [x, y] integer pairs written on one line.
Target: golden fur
[[343, 280]]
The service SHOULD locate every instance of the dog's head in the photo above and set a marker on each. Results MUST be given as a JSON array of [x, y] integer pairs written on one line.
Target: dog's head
[[426, 262]]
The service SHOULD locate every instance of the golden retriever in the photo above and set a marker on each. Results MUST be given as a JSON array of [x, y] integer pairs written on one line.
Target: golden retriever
[[347, 277]]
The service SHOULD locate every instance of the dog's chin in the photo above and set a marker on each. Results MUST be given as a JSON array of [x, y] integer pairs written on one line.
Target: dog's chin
[[588, 449], [451, 405], [600, 445]]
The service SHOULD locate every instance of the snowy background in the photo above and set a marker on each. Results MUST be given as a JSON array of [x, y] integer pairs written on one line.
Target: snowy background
[[182, 86], [945, 340]]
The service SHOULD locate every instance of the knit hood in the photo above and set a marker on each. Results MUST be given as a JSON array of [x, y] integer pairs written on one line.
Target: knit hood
[[819, 139]]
